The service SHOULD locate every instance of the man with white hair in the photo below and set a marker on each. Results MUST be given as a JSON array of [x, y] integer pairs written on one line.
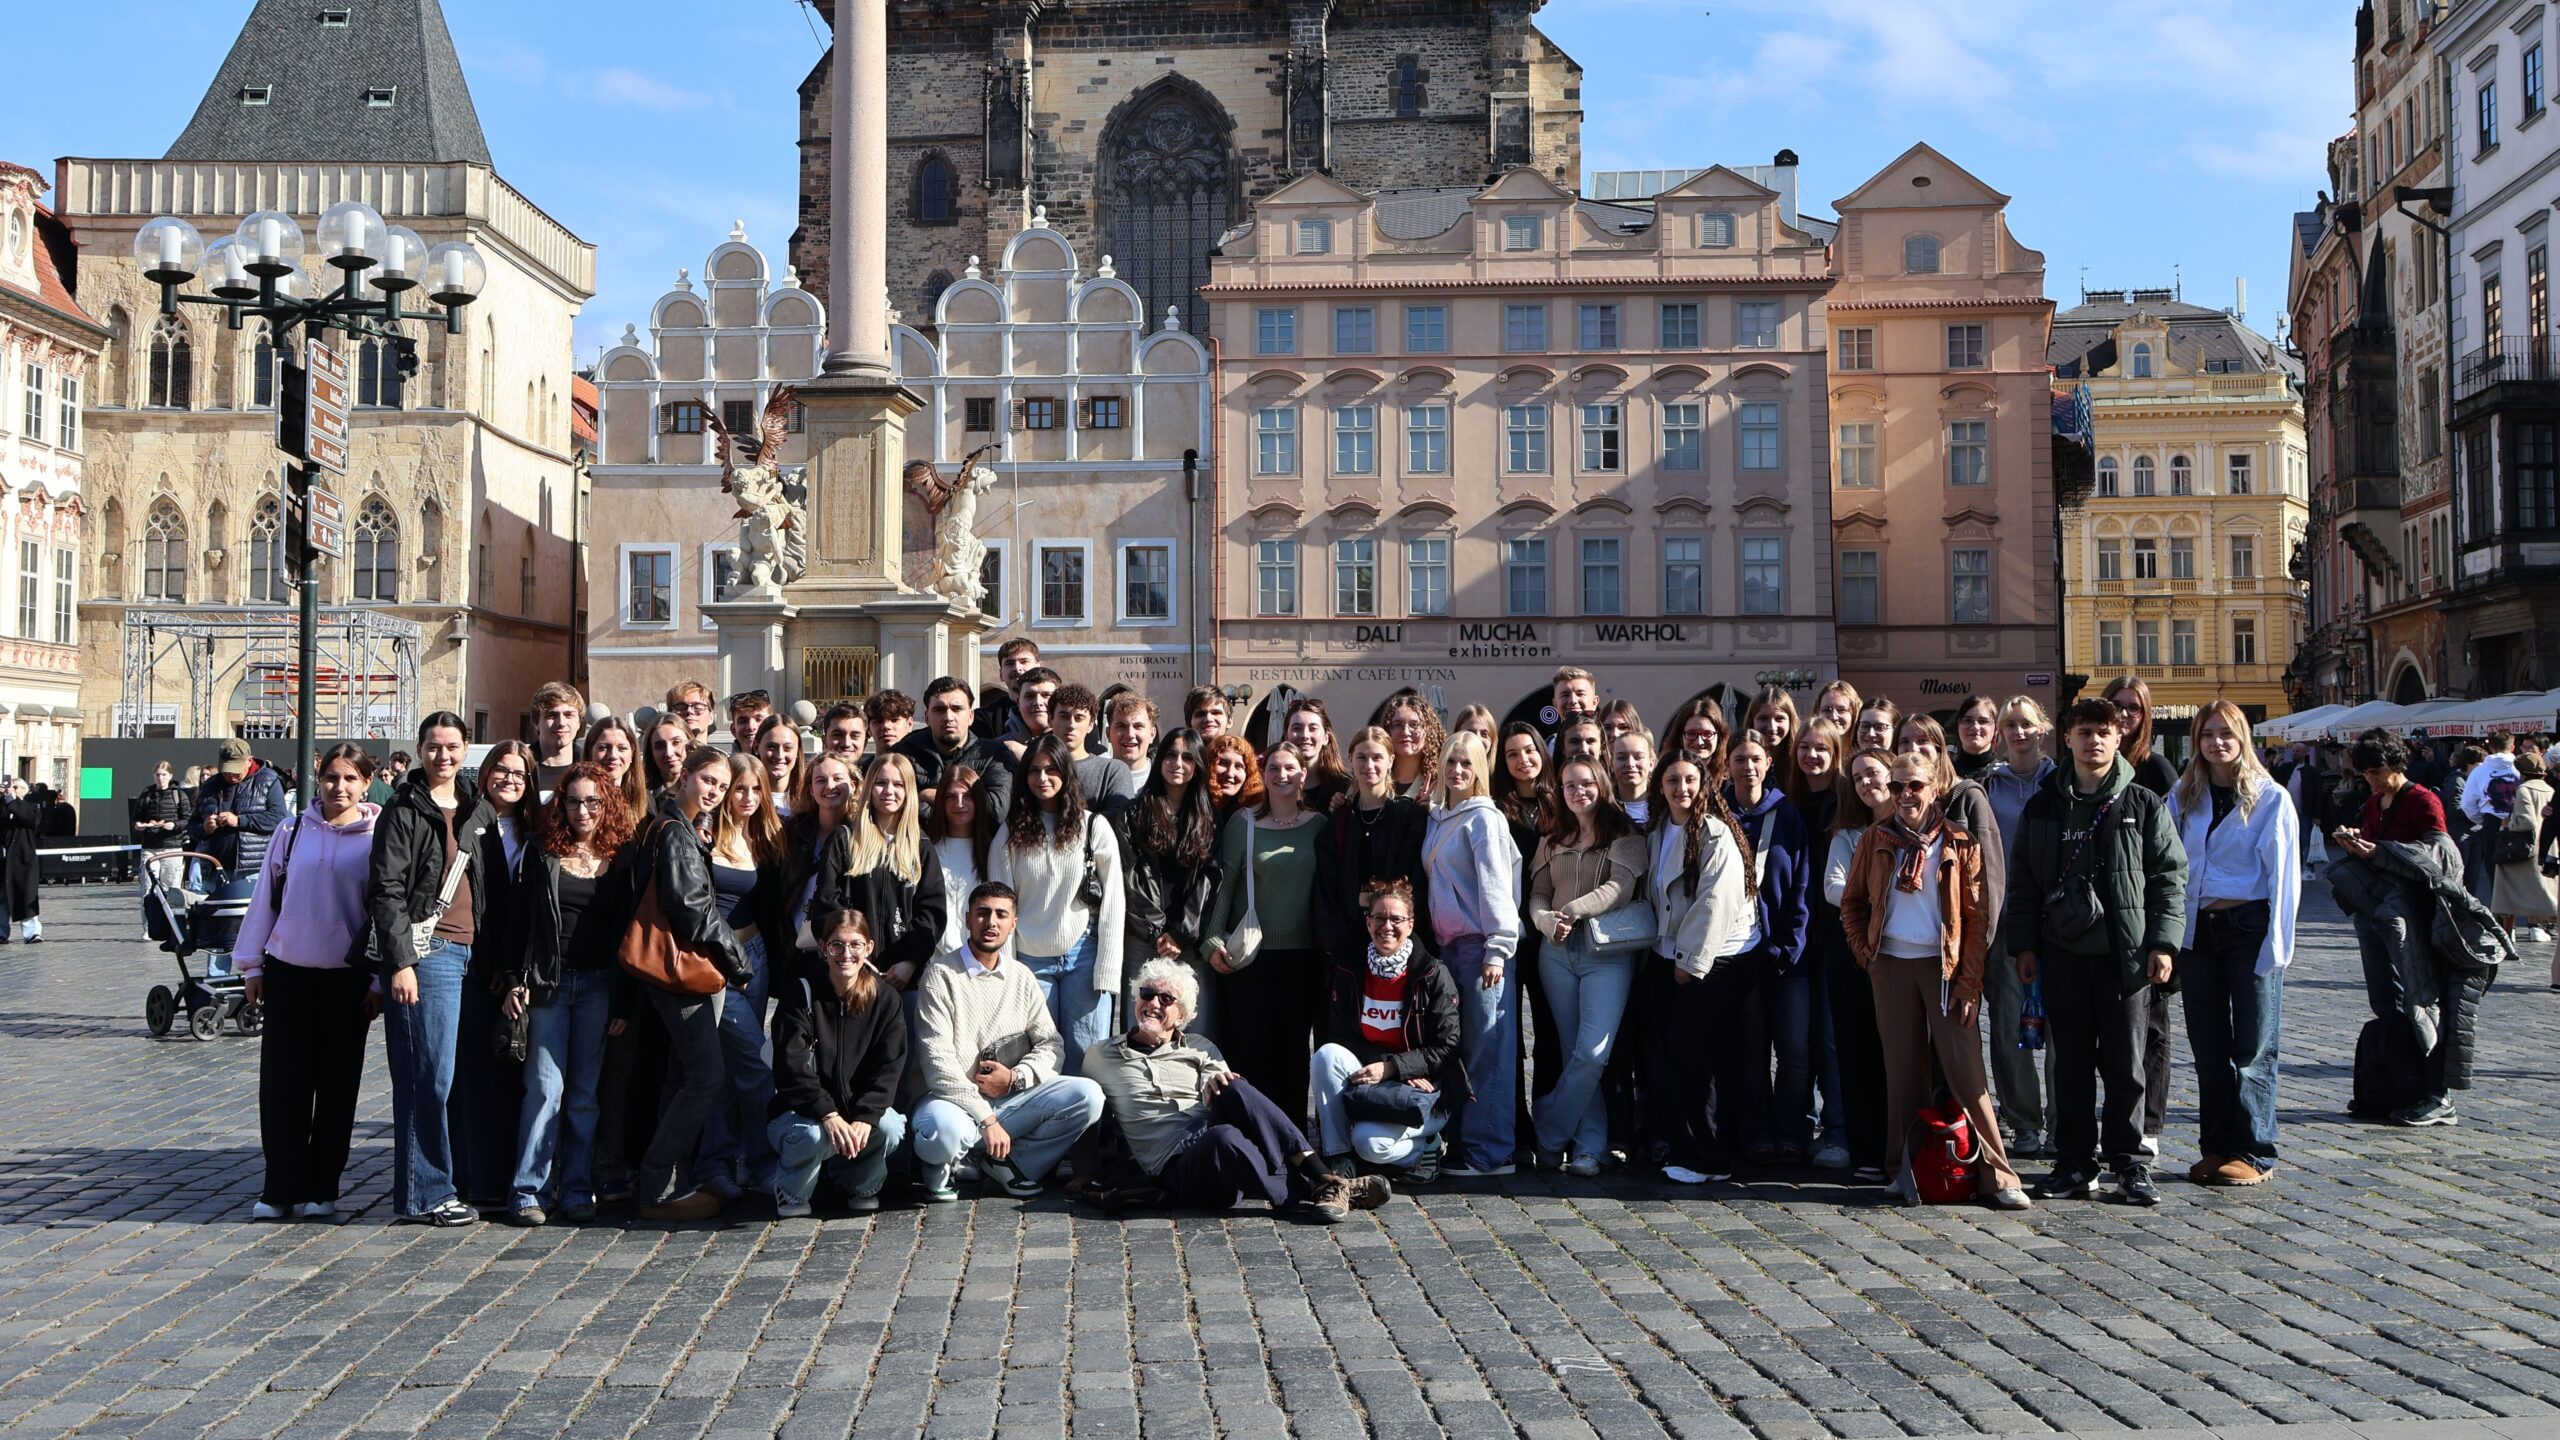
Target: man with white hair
[[1202, 1130]]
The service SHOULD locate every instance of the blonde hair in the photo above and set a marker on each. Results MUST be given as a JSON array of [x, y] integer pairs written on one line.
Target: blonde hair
[[2026, 705], [1471, 745], [2249, 775], [761, 831], [1386, 789], [903, 852]]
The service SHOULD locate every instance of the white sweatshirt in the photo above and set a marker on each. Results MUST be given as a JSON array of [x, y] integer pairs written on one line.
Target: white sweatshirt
[[1049, 882]]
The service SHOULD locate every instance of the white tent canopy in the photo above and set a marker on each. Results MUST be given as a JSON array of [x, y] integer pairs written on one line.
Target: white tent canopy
[[2296, 726], [2519, 710], [2356, 719]]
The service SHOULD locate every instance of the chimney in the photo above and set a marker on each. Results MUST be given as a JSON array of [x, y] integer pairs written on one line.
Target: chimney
[[2240, 298], [1785, 164]]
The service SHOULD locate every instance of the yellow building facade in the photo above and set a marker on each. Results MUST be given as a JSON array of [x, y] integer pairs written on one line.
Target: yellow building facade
[[2176, 565]]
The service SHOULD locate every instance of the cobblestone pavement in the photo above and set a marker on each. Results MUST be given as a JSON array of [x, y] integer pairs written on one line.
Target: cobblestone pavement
[[2389, 1276]]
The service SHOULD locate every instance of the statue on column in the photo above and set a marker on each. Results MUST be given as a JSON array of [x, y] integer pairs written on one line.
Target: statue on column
[[960, 556], [772, 542]]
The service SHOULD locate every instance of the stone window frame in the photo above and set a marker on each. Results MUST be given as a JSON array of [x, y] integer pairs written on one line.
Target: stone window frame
[[1121, 550], [918, 196]]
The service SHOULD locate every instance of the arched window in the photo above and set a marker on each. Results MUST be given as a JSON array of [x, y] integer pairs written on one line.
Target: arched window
[[377, 540], [1920, 255], [1166, 195], [378, 379], [2143, 480], [431, 550], [937, 191], [173, 366], [2182, 476], [2142, 360], [934, 285], [164, 554], [2107, 475], [266, 553], [263, 362]]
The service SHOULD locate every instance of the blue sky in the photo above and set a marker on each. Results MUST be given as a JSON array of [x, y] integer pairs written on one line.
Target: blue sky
[[2140, 141]]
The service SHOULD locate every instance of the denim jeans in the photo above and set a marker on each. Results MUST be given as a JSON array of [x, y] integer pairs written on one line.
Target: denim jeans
[[419, 1041], [1800, 1031], [1589, 995], [1489, 1044], [1081, 1013], [2234, 1015], [1045, 1121], [1374, 1141], [556, 1135], [697, 1084], [734, 1143], [801, 1153]]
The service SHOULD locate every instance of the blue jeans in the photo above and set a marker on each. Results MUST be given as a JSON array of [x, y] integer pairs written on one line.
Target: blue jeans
[[2233, 1018], [1081, 1013], [742, 1039], [419, 1041], [1800, 1030], [801, 1153], [1489, 1043], [1589, 996], [1044, 1122], [557, 1131], [1374, 1141]]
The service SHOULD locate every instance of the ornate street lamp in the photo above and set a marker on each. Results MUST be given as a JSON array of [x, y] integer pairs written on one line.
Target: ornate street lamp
[[364, 267]]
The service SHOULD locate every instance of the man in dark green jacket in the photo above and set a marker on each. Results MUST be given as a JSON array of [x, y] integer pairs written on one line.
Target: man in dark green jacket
[[2092, 835]]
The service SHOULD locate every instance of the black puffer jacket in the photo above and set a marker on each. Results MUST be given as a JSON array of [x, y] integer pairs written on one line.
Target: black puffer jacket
[[408, 863], [681, 864], [1432, 1049], [828, 1059]]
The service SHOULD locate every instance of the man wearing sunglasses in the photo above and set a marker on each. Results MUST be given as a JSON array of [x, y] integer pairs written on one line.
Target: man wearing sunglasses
[[1201, 1130]]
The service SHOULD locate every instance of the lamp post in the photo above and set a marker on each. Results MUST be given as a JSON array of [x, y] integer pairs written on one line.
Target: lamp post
[[258, 271]]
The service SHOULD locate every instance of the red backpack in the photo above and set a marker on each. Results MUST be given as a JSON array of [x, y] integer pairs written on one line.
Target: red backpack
[[1942, 1156]]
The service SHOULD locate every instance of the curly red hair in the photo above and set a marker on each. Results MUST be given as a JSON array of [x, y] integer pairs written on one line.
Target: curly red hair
[[613, 822]]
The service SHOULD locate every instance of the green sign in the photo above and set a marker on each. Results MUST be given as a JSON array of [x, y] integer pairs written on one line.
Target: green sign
[[97, 782]]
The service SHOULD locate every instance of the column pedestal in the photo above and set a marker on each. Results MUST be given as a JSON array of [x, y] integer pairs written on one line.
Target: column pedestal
[[754, 654]]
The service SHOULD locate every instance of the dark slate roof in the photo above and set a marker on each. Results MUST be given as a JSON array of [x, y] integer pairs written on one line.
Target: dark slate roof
[[2198, 336], [2308, 227], [317, 76]]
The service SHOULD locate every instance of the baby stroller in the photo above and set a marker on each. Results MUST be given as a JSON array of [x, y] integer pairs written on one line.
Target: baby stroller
[[184, 926]]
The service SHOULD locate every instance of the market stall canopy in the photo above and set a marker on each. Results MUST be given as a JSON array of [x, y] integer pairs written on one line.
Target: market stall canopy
[[2301, 725], [2521, 710]]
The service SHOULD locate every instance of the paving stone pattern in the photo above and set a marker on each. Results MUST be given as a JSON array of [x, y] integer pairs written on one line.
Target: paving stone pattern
[[2389, 1276]]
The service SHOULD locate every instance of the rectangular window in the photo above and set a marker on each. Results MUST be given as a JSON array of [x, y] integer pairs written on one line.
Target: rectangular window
[[2111, 643], [1355, 440], [1715, 230], [1602, 437], [2430, 414], [2537, 475], [1275, 440], [2146, 642], [1760, 447], [1524, 437], [1764, 580], [2244, 640], [2537, 292], [1355, 577], [1040, 412], [1599, 327], [2477, 489], [991, 574], [1315, 237], [1426, 574], [62, 611], [1275, 331], [2488, 118], [34, 416], [2532, 82], [1604, 575], [2146, 559], [1683, 437], [2110, 560], [1426, 329], [1146, 584], [1524, 576], [2493, 309], [67, 419], [680, 417], [1964, 347], [1355, 331], [1755, 324], [649, 596], [1858, 456], [1522, 232], [1062, 584], [1680, 325], [30, 588], [1102, 412], [1969, 587], [2182, 642], [1684, 575], [1524, 327], [2182, 558], [978, 412], [1857, 348], [1861, 579], [2237, 478], [1275, 577], [739, 416], [1426, 439], [2244, 557], [1969, 452]]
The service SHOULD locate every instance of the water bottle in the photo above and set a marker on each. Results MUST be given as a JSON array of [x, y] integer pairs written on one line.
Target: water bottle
[[2031, 1017]]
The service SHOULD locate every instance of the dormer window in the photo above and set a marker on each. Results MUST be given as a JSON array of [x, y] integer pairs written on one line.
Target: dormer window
[[1315, 237], [1920, 255], [1522, 232], [256, 94], [382, 97], [1715, 231], [334, 17]]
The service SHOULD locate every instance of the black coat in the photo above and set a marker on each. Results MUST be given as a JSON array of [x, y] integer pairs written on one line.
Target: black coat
[[680, 863], [408, 863], [533, 951], [831, 1060], [1392, 849], [257, 797], [494, 883], [1432, 1049], [19, 870], [906, 915], [1167, 898], [163, 808]]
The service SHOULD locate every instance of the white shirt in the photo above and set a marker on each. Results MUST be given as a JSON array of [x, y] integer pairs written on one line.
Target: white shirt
[[2253, 857], [1911, 917], [2475, 786]]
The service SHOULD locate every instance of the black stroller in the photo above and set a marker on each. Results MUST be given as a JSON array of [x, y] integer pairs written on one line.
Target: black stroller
[[185, 926]]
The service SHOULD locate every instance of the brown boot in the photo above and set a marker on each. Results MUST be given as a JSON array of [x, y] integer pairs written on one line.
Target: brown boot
[[2203, 1171], [698, 1205], [1369, 1192], [1331, 1202], [2240, 1172]]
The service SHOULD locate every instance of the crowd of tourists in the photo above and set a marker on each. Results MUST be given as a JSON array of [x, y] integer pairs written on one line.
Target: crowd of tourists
[[1030, 938]]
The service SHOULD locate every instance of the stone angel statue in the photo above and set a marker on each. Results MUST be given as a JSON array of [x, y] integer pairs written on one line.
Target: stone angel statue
[[772, 540], [960, 557]]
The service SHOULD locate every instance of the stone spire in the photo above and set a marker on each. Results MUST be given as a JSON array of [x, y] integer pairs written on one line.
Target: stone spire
[[360, 80]]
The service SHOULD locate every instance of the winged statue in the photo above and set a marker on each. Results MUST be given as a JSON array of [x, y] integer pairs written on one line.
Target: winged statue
[[772, 543], [959, 555]]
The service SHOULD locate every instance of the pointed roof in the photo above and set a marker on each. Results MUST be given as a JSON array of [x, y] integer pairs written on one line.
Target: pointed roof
[[1921, 178], [320, 69]]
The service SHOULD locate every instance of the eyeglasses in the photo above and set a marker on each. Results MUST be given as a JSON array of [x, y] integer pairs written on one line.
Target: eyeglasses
[[693, 707], [842, 950], [508, 772], [1398, 921], [1906, 787], [2124, 708], [1153, 996], [583, 802]]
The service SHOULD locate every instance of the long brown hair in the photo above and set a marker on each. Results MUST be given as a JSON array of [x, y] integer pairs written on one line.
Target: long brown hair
[[1519, 806], [613, 822], [824, 921], [633, 789], [762, 830], [1433, 735], [1558, 825], [1327, 768], [2137, 746], [1023, 827]]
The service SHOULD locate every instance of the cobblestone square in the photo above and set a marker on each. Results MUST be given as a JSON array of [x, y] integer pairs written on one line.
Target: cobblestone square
[[2390, 1283]]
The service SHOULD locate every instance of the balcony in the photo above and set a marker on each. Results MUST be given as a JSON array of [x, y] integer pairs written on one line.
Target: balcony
[[2517, 371]]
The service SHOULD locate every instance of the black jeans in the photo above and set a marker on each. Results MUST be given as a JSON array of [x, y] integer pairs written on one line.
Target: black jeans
[[1861, 1051], [1269, 1013], [1243, 1147], [2095, 1031], [1737, 1033], [310, 1061], [1630, 1085], [2157, 1004]]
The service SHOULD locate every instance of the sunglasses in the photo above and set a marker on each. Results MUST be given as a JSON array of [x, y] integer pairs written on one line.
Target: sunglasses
[[746, 695], [1153, 996], [1906, 787]]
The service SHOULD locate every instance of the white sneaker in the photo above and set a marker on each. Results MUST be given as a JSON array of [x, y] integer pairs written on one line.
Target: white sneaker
[[264, 1211], [2151, 1146], [1469, 1172], [1682, 1175], [315, 1210], [1586, 1166], [790, 1209]]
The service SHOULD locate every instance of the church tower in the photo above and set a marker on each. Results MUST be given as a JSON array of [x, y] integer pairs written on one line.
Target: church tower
[[1147, 128]]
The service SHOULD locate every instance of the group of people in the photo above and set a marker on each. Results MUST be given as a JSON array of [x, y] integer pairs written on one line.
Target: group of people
[[937, 942]]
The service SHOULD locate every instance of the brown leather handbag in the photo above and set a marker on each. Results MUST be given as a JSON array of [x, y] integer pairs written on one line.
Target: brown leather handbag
[[652, 955]]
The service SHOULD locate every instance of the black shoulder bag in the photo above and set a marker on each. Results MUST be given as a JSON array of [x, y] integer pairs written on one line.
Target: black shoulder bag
[[2072, 908]]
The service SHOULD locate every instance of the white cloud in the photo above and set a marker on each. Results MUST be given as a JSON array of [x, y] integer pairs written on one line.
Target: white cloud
[[622, 86]]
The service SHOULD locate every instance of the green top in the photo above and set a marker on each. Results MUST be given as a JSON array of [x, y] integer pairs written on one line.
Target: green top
[[1284, 879]]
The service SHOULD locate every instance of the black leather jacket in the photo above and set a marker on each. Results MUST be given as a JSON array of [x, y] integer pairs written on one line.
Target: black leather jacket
[[681, 864], [1165, 898], [533, 949], [408, 863]]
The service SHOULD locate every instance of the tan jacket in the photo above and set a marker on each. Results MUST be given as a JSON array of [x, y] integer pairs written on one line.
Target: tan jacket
[[1565, 880], [1964, 930]]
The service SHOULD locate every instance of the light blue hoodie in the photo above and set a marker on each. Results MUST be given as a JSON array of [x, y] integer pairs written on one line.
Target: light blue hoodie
[[1474, 871]]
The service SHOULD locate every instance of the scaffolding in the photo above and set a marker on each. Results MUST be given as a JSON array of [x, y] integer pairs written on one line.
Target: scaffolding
[[243, 659]]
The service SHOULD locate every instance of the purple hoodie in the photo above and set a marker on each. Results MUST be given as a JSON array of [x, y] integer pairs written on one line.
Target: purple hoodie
[[329, 865]]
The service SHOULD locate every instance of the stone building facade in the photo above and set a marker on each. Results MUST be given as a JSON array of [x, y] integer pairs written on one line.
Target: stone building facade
[[1942, 502], [1147, 128], [460, 498], [49, 347], [1470, 436]]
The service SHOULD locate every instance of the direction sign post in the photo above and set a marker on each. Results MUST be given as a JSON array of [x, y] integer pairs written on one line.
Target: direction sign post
[[328, 398]]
